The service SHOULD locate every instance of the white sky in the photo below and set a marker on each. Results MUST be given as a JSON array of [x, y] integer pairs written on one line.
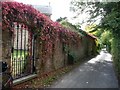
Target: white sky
[[60, 8]]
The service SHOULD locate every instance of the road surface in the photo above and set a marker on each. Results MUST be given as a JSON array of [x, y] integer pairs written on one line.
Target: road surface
[[95, 73]]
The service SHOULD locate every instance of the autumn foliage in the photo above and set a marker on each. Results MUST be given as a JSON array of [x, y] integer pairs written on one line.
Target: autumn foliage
[[40, 25]]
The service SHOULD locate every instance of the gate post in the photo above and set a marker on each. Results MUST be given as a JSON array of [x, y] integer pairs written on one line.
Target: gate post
[[6, 47], [6, 54]]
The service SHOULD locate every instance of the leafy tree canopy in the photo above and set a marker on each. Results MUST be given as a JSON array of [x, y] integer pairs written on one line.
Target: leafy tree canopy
[[65, 23], [61, 19], [108, 12]]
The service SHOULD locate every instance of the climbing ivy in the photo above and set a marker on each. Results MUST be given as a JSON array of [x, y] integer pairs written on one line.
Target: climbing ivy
[[45, 29]]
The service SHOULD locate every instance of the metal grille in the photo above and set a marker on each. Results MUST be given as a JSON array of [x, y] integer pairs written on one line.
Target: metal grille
[[22, 56]]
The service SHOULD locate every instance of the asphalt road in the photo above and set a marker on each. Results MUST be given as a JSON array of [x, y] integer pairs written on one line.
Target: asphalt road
[[95, 73]]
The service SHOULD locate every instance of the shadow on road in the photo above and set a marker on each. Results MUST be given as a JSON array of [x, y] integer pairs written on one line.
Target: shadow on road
[[95, 73]]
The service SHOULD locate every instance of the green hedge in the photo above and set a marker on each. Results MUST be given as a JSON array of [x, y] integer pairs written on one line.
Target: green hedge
[[116, 53]]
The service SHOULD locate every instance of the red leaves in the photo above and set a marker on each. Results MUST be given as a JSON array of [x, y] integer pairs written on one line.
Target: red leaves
[[48, 30]]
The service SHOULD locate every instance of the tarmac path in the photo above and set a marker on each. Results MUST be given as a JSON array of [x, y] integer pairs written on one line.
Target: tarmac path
[[95, 73]]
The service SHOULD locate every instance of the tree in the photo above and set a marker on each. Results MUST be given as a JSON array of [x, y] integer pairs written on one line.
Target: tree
[[61, 19], [65, 23], [93, 9], [109, 14]]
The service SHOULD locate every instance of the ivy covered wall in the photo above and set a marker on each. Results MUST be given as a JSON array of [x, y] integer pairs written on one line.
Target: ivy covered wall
[[54, 43]]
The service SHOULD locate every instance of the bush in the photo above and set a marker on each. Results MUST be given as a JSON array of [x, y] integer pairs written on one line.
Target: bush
[[116, 53]]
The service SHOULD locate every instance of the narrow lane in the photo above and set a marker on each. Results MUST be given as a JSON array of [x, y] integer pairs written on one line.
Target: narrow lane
[[96, 73]]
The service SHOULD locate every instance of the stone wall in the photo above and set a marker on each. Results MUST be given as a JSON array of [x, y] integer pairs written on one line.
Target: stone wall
[[6, 48], [54, 61], [0, 45], [59, 56]]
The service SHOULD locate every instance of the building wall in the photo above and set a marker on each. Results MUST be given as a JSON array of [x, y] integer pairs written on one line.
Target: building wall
[[47, 10]]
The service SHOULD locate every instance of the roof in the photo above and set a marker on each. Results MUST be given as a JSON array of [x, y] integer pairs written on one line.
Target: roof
[[87, 34], [92, 36], [43, 9]]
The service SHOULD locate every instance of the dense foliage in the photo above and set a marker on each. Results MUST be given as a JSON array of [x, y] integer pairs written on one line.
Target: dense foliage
[[40, 25], [110, 23], [65, 23], [104, 36]]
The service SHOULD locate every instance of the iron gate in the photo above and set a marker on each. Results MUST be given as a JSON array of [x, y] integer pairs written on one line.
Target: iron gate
[[22, 54]]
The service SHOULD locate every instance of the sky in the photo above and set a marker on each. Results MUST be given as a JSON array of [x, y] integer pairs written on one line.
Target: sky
[[60, 8]]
